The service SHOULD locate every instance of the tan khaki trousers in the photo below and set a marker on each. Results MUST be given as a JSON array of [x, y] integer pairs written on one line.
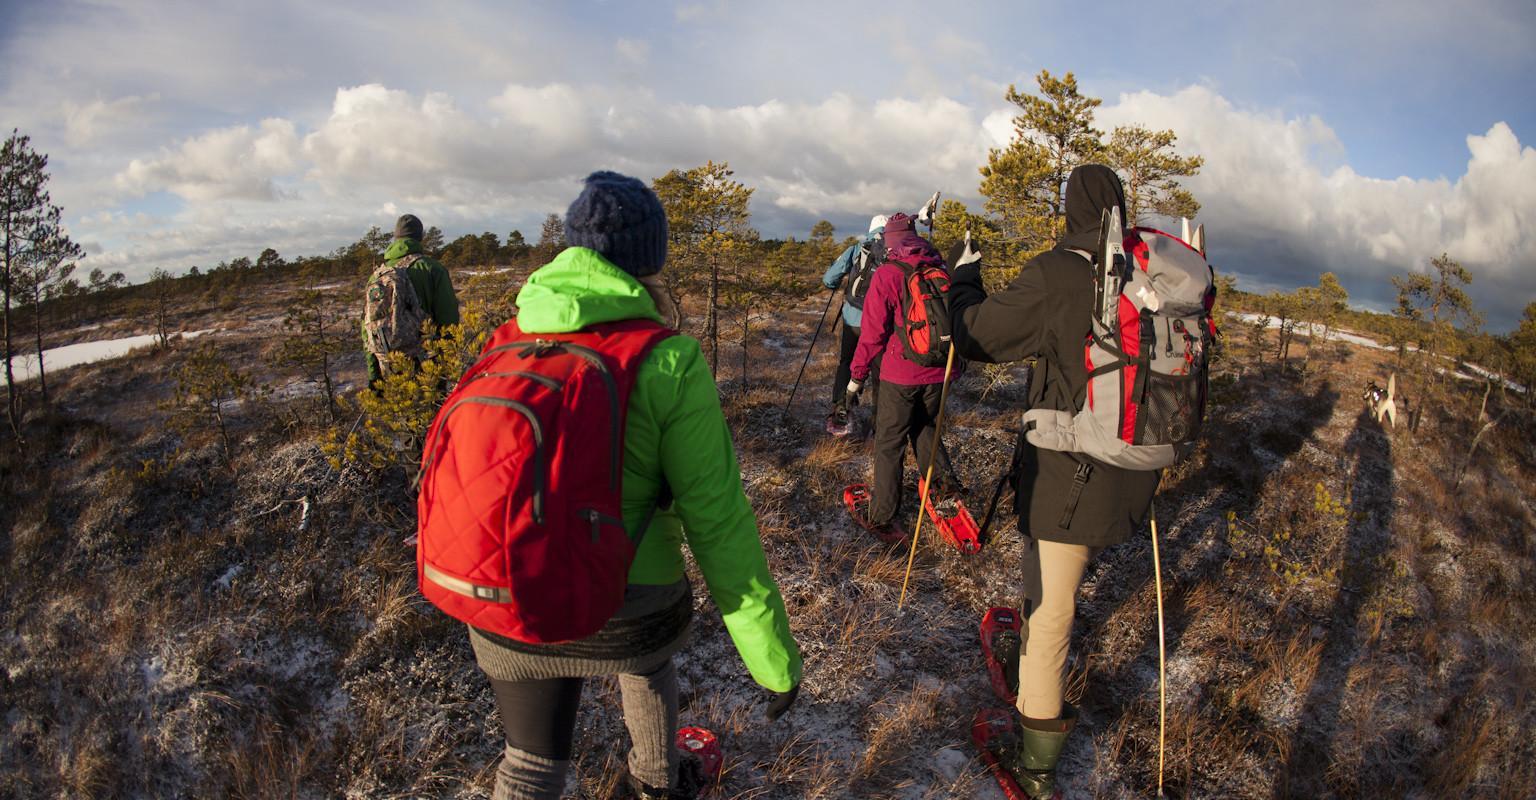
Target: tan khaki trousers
[[1048, 628]]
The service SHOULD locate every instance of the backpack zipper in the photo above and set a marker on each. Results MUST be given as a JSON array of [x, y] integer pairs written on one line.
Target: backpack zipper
[[543, 380], [539, 467], [615, 443], [592, 356], [597, 518]]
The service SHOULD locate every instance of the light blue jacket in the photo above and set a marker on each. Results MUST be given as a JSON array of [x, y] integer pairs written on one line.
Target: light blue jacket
[[839, 269]]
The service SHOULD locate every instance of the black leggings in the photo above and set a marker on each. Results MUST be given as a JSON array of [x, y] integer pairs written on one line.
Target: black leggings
[[846, 345], [539, 716]]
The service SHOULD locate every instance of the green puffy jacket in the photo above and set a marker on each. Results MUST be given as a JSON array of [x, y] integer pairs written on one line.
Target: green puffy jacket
[[676, 429], [433, 287]]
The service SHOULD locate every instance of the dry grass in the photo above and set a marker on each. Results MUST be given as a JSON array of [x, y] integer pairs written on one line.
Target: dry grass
[[173, 633]]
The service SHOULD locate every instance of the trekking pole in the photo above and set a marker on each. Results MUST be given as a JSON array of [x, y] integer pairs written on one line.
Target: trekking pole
[[1011, 474], [831, 294], [1162, 661], [933, 452]]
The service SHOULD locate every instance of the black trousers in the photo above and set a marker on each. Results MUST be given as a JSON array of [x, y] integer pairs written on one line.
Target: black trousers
[[909, 417], [539, 716], [847, 343]]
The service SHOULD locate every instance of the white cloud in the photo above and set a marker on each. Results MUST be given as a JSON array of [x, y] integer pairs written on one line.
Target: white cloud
[[234, 162], [1280, 201], [84, 123], [1277, 194]]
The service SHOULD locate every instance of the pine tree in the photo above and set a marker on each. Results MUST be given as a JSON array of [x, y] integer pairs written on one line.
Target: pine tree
[[432, 241], [24, 208], [1523, 344], [551, 238], [269, 260], [315, 341], [1025, 182], [160, 296], [42, 276], [707, 218], [1150, 170], [1442, 296]]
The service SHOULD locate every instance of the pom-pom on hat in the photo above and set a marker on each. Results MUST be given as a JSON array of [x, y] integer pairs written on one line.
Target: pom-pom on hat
[[620, 217]]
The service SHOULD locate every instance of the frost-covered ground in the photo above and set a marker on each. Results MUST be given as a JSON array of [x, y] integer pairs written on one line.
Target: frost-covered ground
[[1473, 371], [1340, 623]]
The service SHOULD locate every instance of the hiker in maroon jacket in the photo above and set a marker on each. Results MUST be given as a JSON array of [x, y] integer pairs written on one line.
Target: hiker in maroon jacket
[[908, 394]]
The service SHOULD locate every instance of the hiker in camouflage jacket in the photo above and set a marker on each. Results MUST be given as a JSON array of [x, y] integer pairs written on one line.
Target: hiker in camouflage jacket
[[428, 277]]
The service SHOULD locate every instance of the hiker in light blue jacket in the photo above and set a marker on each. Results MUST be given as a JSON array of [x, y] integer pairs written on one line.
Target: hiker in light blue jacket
[[852, 271]]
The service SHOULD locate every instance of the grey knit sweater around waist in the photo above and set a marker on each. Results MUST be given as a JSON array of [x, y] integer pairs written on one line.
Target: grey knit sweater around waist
[[650, 627]]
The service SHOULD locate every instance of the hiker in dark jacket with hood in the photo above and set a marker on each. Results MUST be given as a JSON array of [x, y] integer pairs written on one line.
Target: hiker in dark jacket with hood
[[1070, 506], [428, 278]]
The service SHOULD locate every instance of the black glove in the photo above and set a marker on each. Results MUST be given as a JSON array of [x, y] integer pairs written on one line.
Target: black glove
[[855, 388], [779, 702]]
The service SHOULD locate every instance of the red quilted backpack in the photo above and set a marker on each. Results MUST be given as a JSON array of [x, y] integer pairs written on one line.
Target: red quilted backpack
[[519, 521]]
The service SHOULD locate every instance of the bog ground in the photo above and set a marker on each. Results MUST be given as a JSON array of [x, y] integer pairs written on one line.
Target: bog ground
[[1350, 610]]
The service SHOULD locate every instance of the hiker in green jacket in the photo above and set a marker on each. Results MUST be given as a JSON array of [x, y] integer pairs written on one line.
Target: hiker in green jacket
[[676, 443], [429, 279]]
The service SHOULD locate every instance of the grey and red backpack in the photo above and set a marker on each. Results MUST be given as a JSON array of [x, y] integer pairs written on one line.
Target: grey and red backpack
[[1148, 354]]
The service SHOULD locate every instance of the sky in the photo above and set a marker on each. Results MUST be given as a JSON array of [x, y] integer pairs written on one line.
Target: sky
[[1361, 138]]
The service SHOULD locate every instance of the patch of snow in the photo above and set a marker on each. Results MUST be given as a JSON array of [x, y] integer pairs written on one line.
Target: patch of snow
[[300, 657], [306, 387], [73, 355], [229, 575], [951, 762]]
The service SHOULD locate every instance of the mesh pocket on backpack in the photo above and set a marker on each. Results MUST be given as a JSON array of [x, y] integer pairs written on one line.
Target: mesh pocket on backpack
[[1171, 409]]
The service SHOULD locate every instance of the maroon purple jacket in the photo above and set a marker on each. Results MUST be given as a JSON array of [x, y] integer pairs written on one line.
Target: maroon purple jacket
[[877, 334]]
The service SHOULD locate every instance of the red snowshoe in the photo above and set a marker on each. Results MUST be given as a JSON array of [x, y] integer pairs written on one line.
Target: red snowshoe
[[992, 731], [1000, 641], [856, 498], [954, 522], [840, 422], [701, 760]]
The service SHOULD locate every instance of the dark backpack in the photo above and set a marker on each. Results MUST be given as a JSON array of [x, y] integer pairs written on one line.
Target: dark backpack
[[856, 283], [923, 314], [519, 520]]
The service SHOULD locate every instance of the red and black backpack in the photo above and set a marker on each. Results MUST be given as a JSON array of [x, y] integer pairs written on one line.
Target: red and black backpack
[[923, 313], [519, 518]]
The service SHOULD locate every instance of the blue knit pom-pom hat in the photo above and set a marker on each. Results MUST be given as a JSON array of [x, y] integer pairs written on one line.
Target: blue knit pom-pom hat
[[620, 217]]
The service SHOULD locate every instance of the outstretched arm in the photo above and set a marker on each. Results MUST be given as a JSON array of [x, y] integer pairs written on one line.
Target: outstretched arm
[[1007, 326]]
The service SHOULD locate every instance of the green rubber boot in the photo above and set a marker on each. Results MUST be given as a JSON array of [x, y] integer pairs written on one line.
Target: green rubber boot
[[1033, 764]]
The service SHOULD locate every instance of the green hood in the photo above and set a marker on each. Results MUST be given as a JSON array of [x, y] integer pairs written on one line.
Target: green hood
[[581, 288], [401, 247]]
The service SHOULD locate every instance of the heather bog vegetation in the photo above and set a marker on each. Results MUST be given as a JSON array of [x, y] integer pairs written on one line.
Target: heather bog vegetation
[[210, 592]]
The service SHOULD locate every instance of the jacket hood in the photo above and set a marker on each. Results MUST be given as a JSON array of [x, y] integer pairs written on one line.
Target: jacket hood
[[908, 247], [1091, 189], [581, 288], [400, 248]]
